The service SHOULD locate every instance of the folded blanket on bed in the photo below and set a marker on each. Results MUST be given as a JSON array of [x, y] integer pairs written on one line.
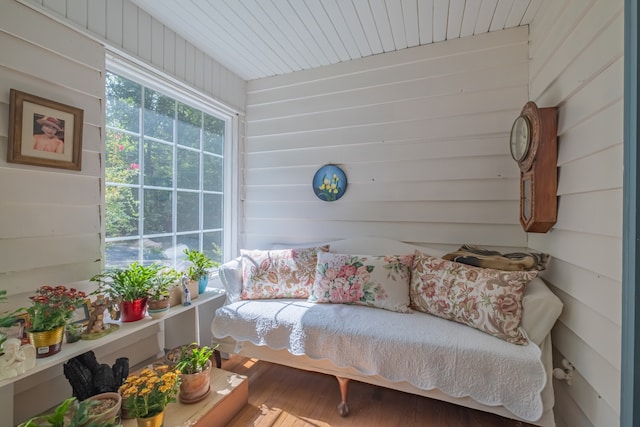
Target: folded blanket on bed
[[424, 350]]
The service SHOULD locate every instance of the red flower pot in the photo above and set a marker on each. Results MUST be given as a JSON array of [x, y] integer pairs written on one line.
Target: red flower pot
[[130, 311]]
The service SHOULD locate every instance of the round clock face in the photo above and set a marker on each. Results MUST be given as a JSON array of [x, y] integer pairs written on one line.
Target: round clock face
[[520, 138]]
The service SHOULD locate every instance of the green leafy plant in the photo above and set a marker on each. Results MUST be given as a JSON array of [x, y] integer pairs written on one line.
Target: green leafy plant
[[162, 282], [6, 319], [69, 415], [128, 284], [199, 264], [52, 307], [193, 358]]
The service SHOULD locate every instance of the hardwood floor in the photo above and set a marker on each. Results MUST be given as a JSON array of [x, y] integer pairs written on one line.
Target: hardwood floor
[[283, 396]]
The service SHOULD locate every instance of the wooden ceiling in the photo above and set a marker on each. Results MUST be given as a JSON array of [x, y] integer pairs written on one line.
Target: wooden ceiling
[[261, 38]]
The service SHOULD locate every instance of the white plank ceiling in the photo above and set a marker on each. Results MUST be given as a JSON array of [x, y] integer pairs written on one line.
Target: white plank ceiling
[[261, 38]]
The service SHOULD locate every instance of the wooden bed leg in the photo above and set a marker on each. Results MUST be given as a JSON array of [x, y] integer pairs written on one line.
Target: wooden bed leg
[[343, 408]]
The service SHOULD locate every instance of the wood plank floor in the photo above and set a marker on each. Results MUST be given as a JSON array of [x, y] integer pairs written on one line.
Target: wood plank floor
[[283, 396]]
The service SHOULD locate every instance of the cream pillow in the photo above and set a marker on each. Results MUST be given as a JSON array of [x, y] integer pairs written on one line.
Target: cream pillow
[[284, 273], [486, 299]]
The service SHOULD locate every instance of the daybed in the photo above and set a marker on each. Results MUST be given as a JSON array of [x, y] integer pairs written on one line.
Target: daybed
[[410, 351]]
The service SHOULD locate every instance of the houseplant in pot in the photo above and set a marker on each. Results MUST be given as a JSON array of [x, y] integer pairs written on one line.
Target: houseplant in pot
[[159, 292], [146, 395], [194, 365], [72, 413], [198, 269], [50, 310], [129, 287]]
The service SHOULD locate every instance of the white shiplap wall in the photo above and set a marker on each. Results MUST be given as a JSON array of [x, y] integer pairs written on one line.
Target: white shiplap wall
[[50, 227], [133, 33], [576, 51], [422, 135]]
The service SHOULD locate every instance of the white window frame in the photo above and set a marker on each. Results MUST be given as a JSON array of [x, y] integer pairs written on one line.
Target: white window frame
[[180, 92]]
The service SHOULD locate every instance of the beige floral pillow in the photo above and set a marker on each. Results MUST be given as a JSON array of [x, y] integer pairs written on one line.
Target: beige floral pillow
[[375, 281], [283, 273], [485, 299]]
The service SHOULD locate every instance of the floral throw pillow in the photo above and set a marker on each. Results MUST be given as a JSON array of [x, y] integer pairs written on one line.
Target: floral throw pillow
[[375, 281], [283, 273], [485, 299]]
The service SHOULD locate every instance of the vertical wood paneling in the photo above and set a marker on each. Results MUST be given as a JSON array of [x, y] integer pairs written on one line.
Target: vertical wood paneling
[[397, 124], [576, 50]]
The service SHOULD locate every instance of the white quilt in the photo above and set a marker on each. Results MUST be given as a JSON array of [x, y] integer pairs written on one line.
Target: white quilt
[[424, 350]]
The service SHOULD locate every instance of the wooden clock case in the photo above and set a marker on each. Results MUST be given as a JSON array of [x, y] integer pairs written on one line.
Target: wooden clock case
[[538, 170]]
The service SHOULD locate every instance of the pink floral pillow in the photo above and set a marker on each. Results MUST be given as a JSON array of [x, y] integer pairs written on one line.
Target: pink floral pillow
[[485, 299], [375, 281], [283, 273]]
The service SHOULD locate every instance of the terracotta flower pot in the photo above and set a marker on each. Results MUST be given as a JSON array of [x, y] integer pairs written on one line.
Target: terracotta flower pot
[[195, 387], [47, 343], [131, 311]]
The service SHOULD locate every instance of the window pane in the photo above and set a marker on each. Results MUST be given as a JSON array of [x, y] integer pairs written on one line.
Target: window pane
[[191, 241], [153, 250], [212, 173], [159, 114], [213, 134], [157, 212], [121, 254], [189, 125], [121, 153], [212, 211], [158, 164], [157, 149], [188, 169], [123, 103], [121, 204], [212, 245], [188, 211]]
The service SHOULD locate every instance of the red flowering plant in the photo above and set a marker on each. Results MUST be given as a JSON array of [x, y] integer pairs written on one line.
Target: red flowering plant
[[52, 307]]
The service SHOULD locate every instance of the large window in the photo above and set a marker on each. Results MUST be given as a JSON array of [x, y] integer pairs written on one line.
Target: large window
[[163, 176]]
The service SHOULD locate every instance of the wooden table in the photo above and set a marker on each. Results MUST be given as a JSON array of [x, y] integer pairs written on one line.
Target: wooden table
[[229, 394]]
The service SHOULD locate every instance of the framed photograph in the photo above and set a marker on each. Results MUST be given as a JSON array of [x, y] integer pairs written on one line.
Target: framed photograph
[[44, 132], [81, 313], [25, 321]]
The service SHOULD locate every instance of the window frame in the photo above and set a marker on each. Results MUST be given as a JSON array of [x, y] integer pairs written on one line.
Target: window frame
[[180, 92]]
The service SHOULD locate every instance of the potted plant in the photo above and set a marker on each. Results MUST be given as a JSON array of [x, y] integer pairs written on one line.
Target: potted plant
[[73, 413], [129, 287], [198, 270], [146, 395], [159, 292], [194, 365], [50, 310], [8, 322]]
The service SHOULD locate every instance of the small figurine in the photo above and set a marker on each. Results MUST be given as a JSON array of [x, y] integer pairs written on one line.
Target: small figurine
[[17, 358], [186, 295]]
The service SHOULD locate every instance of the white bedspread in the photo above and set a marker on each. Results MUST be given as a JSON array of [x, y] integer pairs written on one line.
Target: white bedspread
[[421, 349]]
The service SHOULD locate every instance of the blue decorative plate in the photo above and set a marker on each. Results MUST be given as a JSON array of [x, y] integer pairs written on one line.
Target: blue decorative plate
[[329, 183]]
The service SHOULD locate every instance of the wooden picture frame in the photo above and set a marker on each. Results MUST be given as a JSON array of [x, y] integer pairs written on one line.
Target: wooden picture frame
[[81, 313], [44, 132]]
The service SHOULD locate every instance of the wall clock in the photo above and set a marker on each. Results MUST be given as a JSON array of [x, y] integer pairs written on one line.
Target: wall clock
[[534, 146]]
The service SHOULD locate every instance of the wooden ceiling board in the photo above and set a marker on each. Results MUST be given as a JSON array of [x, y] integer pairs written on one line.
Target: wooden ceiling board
[[397, 23], [369, 25], [350, 15], [471, 10], [262, 38]]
